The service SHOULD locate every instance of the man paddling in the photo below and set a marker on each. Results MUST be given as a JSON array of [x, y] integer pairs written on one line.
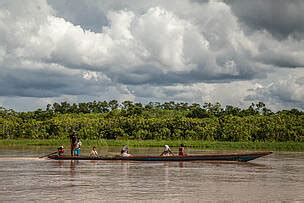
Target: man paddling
[[167, 151], [60, 150], [125, 151]]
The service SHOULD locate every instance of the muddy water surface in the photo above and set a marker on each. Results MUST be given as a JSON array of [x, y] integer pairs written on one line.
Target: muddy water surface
[[24, 177]]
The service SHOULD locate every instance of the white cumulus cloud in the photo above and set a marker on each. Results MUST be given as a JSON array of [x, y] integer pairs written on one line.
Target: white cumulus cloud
[[187, 50]]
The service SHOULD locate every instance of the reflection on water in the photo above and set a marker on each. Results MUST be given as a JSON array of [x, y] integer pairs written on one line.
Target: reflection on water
[[276, 177]]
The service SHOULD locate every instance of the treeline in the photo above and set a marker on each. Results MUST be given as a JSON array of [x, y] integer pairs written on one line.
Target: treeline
[[169, 120]]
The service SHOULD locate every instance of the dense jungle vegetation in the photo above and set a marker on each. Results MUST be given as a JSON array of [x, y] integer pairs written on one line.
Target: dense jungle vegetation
[[160, 121]]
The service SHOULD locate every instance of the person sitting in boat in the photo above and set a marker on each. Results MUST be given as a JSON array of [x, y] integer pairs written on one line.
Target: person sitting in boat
[[60, 150], [181, 150], [94, 152], [125, 151], [77, 148], [167, 151]]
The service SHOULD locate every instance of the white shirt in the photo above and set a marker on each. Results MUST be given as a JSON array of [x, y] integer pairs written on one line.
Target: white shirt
[[167, 148], [78, 145], [125, 154]]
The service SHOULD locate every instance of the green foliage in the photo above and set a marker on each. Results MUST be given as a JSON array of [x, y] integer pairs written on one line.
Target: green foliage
[[174, 144], [168, 121]]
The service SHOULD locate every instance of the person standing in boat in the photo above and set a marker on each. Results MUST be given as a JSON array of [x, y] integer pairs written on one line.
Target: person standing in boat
[[73, 141], [94, 152], [167, 151], [77, 148], [125, 151], [181, 150]]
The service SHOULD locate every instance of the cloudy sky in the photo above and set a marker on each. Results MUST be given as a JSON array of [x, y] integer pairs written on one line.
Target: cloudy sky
[[233, 51]]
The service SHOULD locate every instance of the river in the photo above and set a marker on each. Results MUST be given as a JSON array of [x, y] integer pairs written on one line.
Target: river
[[24, 177]]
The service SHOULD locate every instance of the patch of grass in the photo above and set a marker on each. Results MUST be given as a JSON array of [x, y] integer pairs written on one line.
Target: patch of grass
[[208, 145]]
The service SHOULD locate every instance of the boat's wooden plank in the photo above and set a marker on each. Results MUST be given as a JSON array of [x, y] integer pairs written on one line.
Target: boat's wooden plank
[[205, 157]]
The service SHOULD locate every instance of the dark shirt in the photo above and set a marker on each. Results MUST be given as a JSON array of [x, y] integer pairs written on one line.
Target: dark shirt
[[74, 140]]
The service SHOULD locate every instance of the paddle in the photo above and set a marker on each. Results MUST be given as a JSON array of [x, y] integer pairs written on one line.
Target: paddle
[[47, 155]]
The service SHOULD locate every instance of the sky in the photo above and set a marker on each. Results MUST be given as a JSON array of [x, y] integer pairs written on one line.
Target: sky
[[233, 51]]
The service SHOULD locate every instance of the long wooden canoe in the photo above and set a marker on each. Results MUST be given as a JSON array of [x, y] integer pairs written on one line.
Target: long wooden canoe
[[243, 157]]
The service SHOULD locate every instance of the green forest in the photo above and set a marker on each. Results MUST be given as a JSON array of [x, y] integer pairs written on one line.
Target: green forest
[[154, 121]]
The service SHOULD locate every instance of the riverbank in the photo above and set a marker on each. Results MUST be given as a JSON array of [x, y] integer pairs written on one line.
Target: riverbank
[[207, 145]]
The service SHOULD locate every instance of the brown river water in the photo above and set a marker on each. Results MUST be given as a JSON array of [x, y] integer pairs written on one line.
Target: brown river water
[[24, 177]]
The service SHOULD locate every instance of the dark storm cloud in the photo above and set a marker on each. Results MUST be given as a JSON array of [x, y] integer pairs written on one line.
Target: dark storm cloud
[[281, 60], [157, 77], [33, 83], [46, 83], [81, 12], [279, 17]]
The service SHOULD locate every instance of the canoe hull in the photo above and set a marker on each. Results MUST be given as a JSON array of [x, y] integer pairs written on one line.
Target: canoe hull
[[242, 157]]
